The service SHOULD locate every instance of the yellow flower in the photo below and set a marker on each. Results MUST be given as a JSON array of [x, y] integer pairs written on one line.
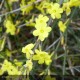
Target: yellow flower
[[10, 27], [41, 6], [62, 26], [17, 63], [42, 32], [74, 3], [66, 8], [6, 65], [42, 57], [28, 50], [12, 70], [21, 5], [48, 5], [41, 20], [29, 65], [28, 8], [55, 10]]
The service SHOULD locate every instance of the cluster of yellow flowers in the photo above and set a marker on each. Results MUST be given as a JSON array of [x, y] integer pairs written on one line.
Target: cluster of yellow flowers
[[42, 29], [29, 7], [55, 11], [28, 50], [72, 3], [41, 56], [11, 69]]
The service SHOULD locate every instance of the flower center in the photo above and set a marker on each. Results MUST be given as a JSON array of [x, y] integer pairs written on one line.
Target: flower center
[[42, 31]]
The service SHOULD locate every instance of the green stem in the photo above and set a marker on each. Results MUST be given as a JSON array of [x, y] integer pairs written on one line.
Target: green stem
[[65, 46], [8, 7]]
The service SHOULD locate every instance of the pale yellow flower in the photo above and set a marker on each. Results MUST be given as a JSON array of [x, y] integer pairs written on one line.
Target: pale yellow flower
[[42, 57], [62, 26], [28, 50]]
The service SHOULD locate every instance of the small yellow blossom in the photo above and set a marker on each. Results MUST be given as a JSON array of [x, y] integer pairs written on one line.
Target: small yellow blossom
[[48, 5], [42, 32], [55, 10], [42, 57], [74, 3], [28, 8], [17, 63], [13, 71], [28, 50], [10, 27], [66, 8], [21, 5], [6, 65], [41, 21], [41, 6], [29, 65], [62, 26]]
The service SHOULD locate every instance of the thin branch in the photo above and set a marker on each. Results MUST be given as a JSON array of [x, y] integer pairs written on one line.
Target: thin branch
[[1, 4], [52, 44]]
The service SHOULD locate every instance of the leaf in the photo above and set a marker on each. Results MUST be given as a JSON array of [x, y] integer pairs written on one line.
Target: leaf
[[2, 43]]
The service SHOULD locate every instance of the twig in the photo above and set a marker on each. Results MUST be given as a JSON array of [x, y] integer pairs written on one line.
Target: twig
[[70, 66], [1, 4], [52, 44]]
